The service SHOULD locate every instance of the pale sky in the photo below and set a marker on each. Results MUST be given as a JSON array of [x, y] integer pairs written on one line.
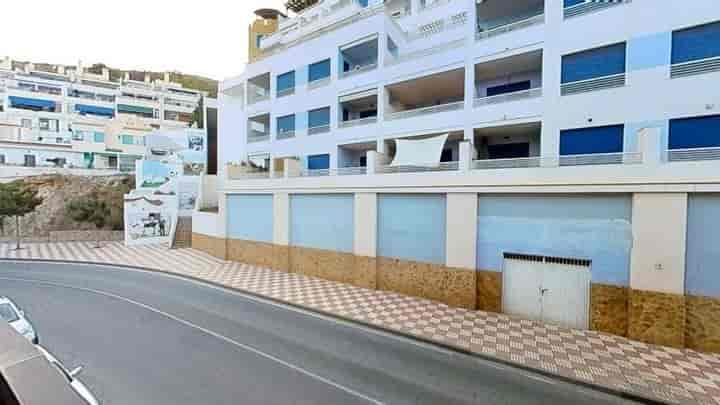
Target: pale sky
[[206, 37]]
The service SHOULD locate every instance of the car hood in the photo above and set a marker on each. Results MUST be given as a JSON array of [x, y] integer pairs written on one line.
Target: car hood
[[84, 392]]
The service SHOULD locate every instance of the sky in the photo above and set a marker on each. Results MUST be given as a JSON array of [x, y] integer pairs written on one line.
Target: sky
[[207, 37]]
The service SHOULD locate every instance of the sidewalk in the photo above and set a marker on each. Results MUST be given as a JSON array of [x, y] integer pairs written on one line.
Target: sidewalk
[[655, 372]]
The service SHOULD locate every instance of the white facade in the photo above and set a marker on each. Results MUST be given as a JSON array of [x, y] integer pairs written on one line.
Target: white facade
[[84, 120], [428, 66]]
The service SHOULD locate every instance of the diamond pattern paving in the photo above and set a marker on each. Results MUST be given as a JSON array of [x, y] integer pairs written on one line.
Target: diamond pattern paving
[[663, 373]]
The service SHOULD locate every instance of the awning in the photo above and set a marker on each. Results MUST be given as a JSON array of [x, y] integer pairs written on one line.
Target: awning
[[134, 109], [94, 110], [31, 102]]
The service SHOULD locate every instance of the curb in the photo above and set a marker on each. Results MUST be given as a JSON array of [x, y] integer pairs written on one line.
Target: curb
[[611, 391]]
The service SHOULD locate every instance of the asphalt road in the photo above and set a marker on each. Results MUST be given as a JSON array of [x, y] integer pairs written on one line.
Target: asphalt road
[[147, 338]]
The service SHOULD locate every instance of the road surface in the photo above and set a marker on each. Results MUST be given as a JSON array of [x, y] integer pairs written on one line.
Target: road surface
[[149, 338]]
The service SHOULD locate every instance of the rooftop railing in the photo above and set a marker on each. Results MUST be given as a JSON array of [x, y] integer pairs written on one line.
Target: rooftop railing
[[509, 27], [598, 83], [358, 122], [695, 67], [426, 110], [601, 159], [487, 164], [507, 97], [691, 155], [590, 7], [442, 167]]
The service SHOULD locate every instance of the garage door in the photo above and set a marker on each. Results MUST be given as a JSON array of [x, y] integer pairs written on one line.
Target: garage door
[[548, 289]]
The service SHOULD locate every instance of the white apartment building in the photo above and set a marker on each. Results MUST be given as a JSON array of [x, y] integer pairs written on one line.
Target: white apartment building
[[582, 135], [69, 117]]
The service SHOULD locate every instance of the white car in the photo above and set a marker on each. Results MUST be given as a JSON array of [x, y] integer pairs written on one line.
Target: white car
[[70, 375], [16, 318]]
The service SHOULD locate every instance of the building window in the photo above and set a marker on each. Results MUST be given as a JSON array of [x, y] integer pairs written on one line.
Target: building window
[[2, 159], [47, 124], [78, 136], [127, 139], [586, 141], [258, 39], [594, 63], [696, 43], [319, 117], [286, 83], [99, 137], [318, 162], [286, 125], [696, 132], [318, 71]]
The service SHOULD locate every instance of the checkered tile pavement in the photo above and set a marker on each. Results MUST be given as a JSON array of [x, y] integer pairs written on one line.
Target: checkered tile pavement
[[661, 373]]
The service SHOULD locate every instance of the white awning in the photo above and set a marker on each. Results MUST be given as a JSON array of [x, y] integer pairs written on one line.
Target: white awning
[[420, 152]]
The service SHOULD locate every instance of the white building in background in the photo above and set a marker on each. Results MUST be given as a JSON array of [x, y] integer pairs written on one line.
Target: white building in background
[[69, 117], [578, 183]]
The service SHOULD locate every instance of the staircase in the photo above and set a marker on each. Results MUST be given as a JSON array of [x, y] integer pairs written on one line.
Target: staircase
[[183, 233]]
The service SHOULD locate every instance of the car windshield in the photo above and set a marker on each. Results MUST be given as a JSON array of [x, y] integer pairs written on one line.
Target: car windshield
[[7, 312]]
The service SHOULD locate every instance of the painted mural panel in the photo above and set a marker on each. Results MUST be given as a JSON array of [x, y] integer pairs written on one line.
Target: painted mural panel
[[702, 275], [186, 147], [322, 221], [250, 217], [154, 174], [412, 227], [149, 218], [590, 227]]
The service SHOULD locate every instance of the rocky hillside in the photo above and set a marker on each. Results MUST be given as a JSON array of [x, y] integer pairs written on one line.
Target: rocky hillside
[[58, 190]]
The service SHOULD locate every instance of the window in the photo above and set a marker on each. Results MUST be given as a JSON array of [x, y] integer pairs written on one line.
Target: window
[[258, 39], [696, 132], [99, 137], [319, 70], [26, 123], [318, 162], [78, 136], [585, 141], [2, 159], [319, 117], [286, 83], [508, 88], [696, 43], [127, 139], [47, 124], [286, 124], [29, 161], [594, 63], [570, 3]]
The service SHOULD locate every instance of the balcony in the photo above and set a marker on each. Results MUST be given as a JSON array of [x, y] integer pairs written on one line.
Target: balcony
[[509, 79], [258, 89], [427, 95], [575, 8], [507, 146], [449, 158], [695, 67], [358, 109], [438, 26], [359, 57], [600, 83], [497, 18], [358, 122], [692, 155], [352, 157], [258, 128], [627, 158]]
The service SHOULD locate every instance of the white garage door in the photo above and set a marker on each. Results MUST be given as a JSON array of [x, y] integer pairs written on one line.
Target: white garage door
[[549, 289]]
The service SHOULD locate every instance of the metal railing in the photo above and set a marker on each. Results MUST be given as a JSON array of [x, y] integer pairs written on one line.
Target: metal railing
[[340, 171], [507, 97], [695, 67], [487, 164], [442, 167], [318, 83], [357, 122], [695, 154], [509, 27], [359, 69], [425, 52], [285, 135], [286, 92], [249, 175], [601, 159], [590, 7], [257, 136], [318, 130], [426, 110], [598, 83]]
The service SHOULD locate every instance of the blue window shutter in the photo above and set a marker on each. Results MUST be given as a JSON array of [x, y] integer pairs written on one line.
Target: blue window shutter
[[594, 63], [508, 88], [696, 43], [586, 141], [319, 117], [286, 81], [570, 3], [286, 123], [698, 132], [319, 70], [316, 162]]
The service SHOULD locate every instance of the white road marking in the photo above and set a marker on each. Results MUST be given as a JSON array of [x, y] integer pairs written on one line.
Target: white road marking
[[206, 331]]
